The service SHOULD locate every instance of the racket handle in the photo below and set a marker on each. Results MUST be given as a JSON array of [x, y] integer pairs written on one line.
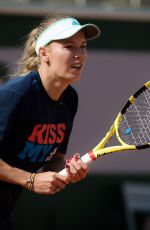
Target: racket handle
[[85, 158], [63, 172]]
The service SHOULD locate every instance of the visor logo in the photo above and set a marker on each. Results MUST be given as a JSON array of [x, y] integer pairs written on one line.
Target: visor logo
[[74, 23]]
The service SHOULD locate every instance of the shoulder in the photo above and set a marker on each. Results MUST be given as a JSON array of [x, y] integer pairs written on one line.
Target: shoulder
[[16, 89], [18, 85]]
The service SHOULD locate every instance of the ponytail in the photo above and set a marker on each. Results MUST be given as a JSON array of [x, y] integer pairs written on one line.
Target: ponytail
[[30, 61]]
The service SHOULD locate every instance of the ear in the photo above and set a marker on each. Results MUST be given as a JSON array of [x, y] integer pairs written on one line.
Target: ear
[[43, 54]]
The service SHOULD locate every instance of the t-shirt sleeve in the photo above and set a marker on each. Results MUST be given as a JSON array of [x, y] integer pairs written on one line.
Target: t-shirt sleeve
[[8, 112]]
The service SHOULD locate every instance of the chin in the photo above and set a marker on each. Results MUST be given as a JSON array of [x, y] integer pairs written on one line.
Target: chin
[[75, 78]]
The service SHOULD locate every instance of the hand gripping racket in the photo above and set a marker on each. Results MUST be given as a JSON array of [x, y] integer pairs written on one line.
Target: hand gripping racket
[[131, 127]]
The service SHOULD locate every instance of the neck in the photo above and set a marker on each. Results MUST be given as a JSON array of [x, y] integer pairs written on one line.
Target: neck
[[53, 86]]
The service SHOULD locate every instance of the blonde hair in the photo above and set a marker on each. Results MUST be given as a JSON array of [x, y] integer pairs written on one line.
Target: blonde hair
[[29, 60]]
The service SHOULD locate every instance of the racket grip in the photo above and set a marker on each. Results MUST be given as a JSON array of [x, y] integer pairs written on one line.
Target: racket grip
[[85, 158], [63, 172]]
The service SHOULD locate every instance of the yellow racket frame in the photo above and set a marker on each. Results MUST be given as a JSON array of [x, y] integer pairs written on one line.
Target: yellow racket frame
[[100, 149]]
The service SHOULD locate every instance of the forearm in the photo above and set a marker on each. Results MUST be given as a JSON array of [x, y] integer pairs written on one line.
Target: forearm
[[13, 175], [42, 183]]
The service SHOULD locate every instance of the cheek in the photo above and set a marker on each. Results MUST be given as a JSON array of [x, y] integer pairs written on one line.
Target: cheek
[[60, 56]]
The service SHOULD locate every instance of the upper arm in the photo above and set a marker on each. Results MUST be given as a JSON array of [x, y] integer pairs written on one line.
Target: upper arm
[[8, 111]]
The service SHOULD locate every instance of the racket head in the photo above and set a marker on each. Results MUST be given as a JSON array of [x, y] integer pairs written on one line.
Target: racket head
[[132, 124]]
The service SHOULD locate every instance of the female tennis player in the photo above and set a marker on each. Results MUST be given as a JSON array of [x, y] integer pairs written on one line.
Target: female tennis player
[[37, 110]]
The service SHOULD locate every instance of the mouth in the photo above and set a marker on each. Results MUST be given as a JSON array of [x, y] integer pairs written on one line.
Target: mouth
[[76, 66]]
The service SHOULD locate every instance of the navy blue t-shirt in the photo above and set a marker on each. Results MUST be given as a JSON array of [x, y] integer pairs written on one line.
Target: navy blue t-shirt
[[32, 125]]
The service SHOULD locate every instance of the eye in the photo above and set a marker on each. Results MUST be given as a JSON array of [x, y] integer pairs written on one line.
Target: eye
[[83, 46], [69, 46]]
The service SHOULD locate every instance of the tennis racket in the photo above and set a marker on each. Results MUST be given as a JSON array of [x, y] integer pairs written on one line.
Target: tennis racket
[[131, 128]]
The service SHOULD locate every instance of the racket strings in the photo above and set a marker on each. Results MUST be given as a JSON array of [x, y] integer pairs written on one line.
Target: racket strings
[[134, 128]]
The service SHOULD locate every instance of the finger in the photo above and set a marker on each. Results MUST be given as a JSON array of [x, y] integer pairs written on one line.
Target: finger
[[73, 175], [81, 168], [68, 169], [58, 184], [75, 165], [76, 170], [83, 165], [62, 178], [51, 190], [76, 156], [71, 163]]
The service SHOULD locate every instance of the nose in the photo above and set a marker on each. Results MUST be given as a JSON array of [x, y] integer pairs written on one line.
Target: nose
[[80, 53]]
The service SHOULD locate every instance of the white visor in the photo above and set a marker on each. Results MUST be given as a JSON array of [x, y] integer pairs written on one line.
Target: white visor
[[63, 29]]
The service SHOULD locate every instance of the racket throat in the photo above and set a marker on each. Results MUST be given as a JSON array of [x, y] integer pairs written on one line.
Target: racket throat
[[105, 140], [113, 149]]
